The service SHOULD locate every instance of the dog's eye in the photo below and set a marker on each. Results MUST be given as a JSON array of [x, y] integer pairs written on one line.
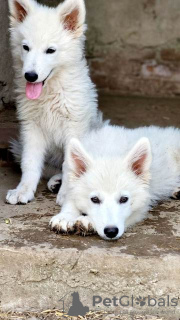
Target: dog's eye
[[95, 200], [50, 51], [25, 47], [123, 199]]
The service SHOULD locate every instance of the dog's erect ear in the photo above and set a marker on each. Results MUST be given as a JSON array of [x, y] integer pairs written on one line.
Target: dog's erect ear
[[19, 9], [78, 159], [72, 15], [139, 158]]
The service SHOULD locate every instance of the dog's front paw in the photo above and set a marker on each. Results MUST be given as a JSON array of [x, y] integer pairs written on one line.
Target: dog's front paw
[[68, 224], [62, 223], [19, 195], [84, 226]]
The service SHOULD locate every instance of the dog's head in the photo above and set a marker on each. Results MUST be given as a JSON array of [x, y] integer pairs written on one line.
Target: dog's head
[[45, 40], [113, 192]]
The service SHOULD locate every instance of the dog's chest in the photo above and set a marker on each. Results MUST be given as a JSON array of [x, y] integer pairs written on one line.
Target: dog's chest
[[59, 115], [58, 121], [54, 116], [55, 112]]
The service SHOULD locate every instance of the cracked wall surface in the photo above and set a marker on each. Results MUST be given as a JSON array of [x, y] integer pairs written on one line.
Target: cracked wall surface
[[133, 47]]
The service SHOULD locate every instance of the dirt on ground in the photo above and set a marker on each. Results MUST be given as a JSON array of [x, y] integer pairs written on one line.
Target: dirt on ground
[[58, 315]]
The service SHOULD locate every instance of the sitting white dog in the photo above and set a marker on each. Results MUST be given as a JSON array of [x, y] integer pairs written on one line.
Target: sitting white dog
[[56, 99], [115, 175]]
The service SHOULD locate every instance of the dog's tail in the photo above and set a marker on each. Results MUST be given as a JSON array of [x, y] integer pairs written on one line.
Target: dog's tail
[[16, 149]]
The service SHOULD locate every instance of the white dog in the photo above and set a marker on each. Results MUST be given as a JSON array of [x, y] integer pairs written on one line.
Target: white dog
[[115, 175], [56, 99]]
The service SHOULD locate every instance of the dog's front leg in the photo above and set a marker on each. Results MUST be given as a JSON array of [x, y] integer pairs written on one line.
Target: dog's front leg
[[31, 165]]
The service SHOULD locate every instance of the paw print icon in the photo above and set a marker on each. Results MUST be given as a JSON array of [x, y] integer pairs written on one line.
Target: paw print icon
[[141, 301]]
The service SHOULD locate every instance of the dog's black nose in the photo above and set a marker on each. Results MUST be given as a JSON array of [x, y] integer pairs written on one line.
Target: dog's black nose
[[31, 76], [111, 232]]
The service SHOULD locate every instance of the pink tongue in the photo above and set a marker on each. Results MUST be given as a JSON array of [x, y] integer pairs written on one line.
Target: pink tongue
[[33, 90]]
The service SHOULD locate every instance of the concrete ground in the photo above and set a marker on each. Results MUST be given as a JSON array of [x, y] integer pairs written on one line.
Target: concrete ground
[[39, 267], [58, 315]]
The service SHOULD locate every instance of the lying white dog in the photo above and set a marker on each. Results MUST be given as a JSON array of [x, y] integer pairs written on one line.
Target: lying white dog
[[56, 99], [115, 175]]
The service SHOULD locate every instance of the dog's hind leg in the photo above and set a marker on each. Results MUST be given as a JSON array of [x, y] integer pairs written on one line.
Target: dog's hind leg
[[53, 170], [176, 194], [54, 183]]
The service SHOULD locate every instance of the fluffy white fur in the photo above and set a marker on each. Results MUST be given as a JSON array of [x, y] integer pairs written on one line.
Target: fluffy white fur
[[67, 106], [114, 164]]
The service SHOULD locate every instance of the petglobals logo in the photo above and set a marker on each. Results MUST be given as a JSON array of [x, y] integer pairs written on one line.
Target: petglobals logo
[[132, 301], [77, 308]]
